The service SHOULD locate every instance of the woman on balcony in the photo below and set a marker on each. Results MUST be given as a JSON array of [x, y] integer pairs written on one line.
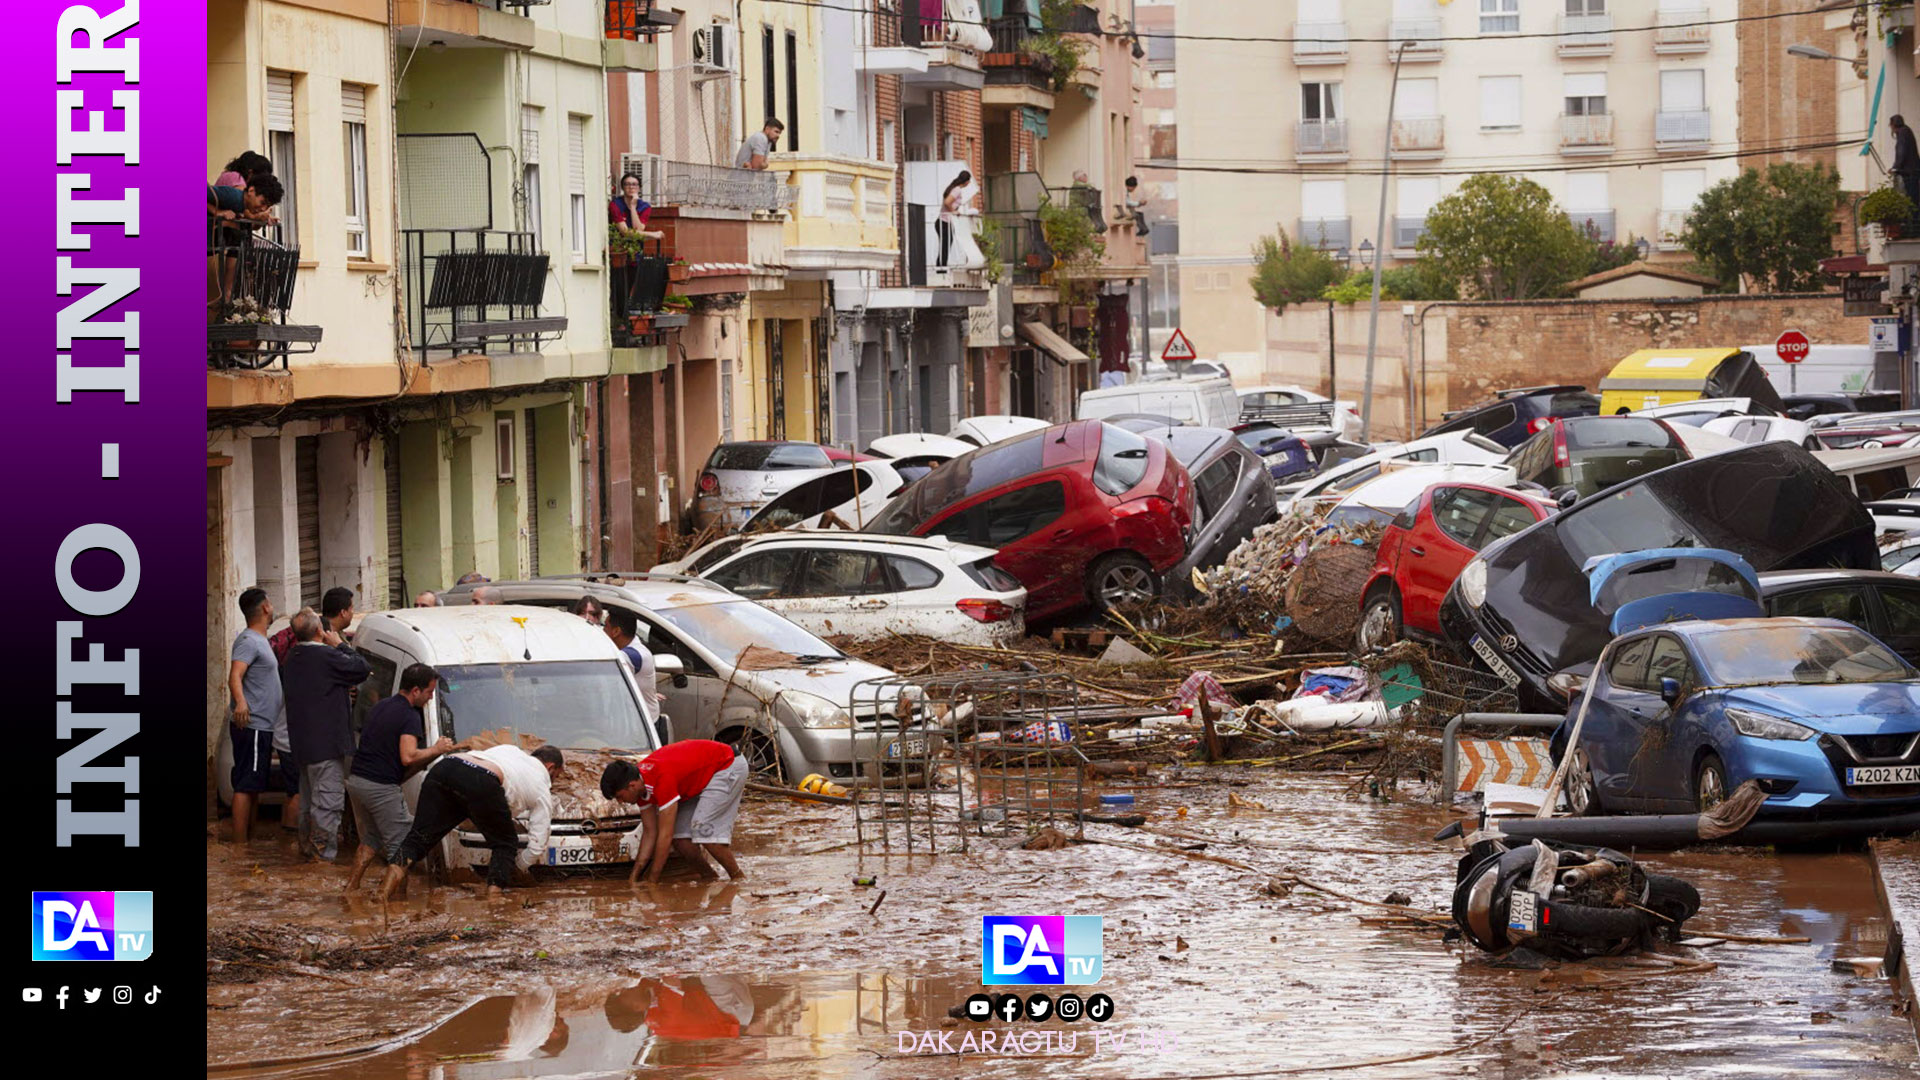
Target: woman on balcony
[[628, 212]]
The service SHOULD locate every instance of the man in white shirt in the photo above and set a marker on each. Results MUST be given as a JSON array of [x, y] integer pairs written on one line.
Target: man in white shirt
[[493, 787]]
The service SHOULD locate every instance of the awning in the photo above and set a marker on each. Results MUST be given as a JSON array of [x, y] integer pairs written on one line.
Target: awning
[[1052, 344]]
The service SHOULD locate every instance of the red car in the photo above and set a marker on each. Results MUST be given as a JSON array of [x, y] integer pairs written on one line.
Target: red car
[[1083, 513], [1426, 547]]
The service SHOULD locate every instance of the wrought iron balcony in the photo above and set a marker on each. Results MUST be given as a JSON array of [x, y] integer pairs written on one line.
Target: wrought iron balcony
[[1407, 232], [1326, 233], [1087, 198], [1586, 35], [1021, 247], [1010, 62], [685, 183], [1679, 32], [1672, 226], [631, 20], [254, 279], [1597, 224], [1681, 128], [1419, 137], [1423, 32], [1319, 43], [1591, 133], [1323, 139], [476, 291]]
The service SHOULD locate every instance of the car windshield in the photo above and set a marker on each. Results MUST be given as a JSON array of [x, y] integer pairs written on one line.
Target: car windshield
[[1616, 432], [1354, 515], [573, 704], [768, 456], [969, 474], [714, 554], [729, 628], [1122, 461], [1765, 655]]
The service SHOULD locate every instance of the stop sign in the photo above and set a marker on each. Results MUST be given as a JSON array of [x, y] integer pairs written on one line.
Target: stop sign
[[1792, 347]]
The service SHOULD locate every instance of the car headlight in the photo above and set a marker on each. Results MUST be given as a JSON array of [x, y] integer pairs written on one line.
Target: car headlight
[[1473, 583], [1763, 726], [814, 711]]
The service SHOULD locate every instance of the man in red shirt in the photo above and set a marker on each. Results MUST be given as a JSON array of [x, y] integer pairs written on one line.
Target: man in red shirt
[[688, 793]]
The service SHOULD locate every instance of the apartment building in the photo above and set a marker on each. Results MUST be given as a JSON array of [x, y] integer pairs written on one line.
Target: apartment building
[[398, 370], [1157, 143], [1623, 109]]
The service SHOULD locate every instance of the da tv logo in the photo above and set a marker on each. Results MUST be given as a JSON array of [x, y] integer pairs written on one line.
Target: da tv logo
[[92, 925], [1032, 950]]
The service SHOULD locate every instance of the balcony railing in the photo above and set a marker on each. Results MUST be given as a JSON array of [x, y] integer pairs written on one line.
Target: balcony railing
[[684, 183], [1407, 232], [1320, 137], [1087, 198], [631, 20], [1021, 247], [1010, 62], [1596, 224], [1326, 233], [475, 291], [1586, 35], [1420, 136], [1319, 42], [842, 212], [1423, 32], [1674, 35], [1590, 133], [1681, 128], [1671, 225], [254, 280]]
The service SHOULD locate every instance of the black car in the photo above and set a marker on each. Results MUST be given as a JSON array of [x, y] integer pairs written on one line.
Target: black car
[[1884, 605], [1232, 495], [1808, 406], [1523, 609], [1512, 415]]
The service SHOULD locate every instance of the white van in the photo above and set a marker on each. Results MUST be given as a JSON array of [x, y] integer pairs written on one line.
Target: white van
[[1199, 402]]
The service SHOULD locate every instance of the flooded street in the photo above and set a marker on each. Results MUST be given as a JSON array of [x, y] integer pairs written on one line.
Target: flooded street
[[1210, 972]]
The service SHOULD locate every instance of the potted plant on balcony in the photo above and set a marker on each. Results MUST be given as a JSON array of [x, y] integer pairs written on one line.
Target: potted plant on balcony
[[677, 303], [678, 270], [1890, 209], [622, 248], [1076, 245]]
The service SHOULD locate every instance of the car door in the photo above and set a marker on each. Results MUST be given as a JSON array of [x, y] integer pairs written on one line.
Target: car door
[[841, 592], [1440, 543], [694, 708], [1615, 724], [1663, 754], [763, 576], [1037, 541], [1897, 623]]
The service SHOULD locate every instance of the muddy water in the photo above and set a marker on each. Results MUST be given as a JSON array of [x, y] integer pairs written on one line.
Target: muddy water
[[788, 976]]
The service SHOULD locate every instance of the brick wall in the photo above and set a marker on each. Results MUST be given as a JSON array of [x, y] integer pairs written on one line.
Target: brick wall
[[1784, 100]]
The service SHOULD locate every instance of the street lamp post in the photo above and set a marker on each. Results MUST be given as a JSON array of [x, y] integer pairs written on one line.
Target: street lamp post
[[1379, 253]]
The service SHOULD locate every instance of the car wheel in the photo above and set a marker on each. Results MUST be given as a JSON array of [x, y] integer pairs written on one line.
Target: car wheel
[[1583, 795], [1122, 579], [763, 757], [1379, 622], [1709, 783]]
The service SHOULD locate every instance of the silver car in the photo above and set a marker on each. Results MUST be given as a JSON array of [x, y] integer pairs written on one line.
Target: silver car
[[741, 477]]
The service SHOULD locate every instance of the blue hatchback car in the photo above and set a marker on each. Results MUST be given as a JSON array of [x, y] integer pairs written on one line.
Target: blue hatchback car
[[1698, 694]]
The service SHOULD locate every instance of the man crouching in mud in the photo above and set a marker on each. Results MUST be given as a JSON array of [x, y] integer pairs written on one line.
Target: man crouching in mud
[[492, 787], [688, 793]]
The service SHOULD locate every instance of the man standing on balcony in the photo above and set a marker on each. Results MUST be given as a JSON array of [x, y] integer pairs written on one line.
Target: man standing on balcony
[[1906, 158], [753, 152]]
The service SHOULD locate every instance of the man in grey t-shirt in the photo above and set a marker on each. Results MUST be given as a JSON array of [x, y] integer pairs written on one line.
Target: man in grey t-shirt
[[753, 152], [253, 684]]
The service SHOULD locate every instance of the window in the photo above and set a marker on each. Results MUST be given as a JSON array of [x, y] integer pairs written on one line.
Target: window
[[1163, 80], [1683, 91], [1586, 91], [1903, 611], [1121, 462], [1499, 16], [1417, 194], [762, 576], [913, 573], [714, 554], [1418, 99], [1847, 605], [1668, 661], [530, 172], [769, 88], [1500, 103], [1588, 191], [844, 573], [1509, 517], [577, 185], [793, 93], [1214, 486], [1461, 514], [1022, 512], [1629, 666], [1320, 101], [381, 676], [280, 150], [1320, 11], [1681, 188], [1586, 7], [353, 119]]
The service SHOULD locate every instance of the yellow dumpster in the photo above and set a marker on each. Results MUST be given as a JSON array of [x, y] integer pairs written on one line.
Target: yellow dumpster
[[1653, 377]]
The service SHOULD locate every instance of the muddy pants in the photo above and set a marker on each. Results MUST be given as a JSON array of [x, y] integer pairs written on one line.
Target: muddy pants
[[325, 784], [452, 792]]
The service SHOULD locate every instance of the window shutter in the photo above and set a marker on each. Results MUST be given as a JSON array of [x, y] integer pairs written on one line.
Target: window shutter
[[353, 104], [577, 154], [279, 101], [529, 135], [1586, 84]]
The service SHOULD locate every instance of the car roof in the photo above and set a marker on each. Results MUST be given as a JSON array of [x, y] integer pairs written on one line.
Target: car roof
[[635, 586], [1690, 627], [1395, 489], [857, 540], [467, 634], [1772, 581]]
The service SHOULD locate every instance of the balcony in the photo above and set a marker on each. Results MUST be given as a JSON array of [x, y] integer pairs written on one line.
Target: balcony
[[951, 64], [1326, 233], [1419, 137], [1320, 140], [460, 24], [841, 217], [475, 291], [1673, 36], [637, 309], [1586, 35], [1591, 133], [1424, 33], [1681, 129], [247, 319], [630, 29], [715, 187], [1407, 232], [1319, 43], [1020, 244], [1084, 197], [1016, 75], [1597, 224], [1671, 225]]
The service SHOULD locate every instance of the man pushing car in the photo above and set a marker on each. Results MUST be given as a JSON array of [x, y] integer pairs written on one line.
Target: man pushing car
[[688, 793]]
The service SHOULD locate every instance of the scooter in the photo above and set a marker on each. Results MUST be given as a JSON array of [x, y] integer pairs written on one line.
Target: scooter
[[1591, 902]]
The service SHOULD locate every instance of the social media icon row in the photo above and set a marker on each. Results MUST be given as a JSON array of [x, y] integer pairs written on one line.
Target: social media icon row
[[122, 995], [1038, 1008]]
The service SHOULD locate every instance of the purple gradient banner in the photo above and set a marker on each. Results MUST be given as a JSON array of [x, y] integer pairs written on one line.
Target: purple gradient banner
[[108, 559]]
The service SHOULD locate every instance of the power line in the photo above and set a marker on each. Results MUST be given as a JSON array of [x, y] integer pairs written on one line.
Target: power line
[[1374, 171]]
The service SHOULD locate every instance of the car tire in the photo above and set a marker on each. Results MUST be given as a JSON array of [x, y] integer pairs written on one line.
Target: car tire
[[1709, 783], [1121, 578], [762, 754], [1583, 795], [1379, 621]]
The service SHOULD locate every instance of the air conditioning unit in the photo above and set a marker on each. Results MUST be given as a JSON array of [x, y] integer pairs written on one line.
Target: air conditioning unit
[[714, 47]]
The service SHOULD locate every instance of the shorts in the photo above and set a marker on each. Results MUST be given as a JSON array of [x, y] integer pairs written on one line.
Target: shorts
[[252, 752], [707, 818], [380, 814]]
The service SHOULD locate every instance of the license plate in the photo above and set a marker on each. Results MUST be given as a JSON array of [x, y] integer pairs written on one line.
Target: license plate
[[1884, 774], [907, 748], [576, 856], [1499, 666], [1523, 911]]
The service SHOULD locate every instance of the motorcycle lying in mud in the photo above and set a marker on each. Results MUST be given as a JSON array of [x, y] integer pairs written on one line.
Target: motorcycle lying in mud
[[1565, 901]]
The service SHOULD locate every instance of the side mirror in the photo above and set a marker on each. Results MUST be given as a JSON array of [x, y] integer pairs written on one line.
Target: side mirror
[[1670, 690], [667, 664]]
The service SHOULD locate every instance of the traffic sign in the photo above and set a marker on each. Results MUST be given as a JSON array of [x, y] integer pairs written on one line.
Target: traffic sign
[[1792, 347], [1179, 349]]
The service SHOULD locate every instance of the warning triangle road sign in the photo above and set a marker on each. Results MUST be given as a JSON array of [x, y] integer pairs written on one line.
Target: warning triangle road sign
[[1179, 349]]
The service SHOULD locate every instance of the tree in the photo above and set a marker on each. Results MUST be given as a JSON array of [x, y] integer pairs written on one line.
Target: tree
[[1502, 238], [1286, 273], [1770, 230]]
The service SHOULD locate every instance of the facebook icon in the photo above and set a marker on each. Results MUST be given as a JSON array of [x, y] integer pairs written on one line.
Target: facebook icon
[[1030, 950]]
